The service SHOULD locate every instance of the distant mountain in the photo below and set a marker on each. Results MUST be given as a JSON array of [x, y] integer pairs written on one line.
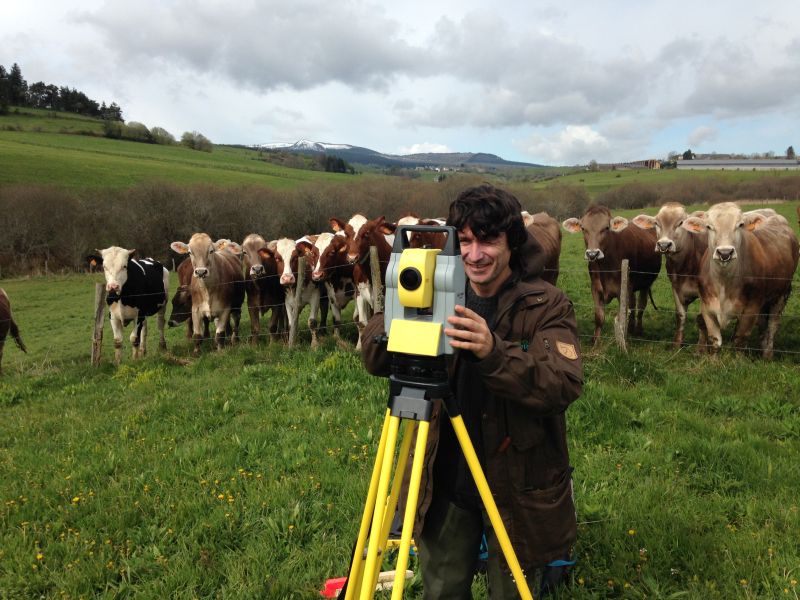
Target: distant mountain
[[365, 156]]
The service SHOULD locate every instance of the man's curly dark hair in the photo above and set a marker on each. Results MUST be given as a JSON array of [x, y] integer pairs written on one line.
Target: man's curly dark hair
[[489, 211]]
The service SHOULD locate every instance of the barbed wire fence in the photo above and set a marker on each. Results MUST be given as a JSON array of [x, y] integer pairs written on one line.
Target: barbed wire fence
[[621, 336]]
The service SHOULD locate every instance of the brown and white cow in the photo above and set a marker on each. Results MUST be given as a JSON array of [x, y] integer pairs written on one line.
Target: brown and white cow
[[375, 232], [545, 229], [287, 253], [7, 325], [264, 290], [217, 285], [747, 272], [136, 288], [684, 255], [424, 239], [335, 272], [608, 241]]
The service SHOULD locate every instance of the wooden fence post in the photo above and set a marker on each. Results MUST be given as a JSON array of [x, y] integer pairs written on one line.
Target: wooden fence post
[[298, 293], [99, 320], [377, 284], [621, 320]]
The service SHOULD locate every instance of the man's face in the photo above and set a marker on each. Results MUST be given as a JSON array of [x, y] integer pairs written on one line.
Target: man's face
[[486, 263]]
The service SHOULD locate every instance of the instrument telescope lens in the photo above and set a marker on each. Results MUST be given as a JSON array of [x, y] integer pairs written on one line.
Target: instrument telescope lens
[[410, 278]]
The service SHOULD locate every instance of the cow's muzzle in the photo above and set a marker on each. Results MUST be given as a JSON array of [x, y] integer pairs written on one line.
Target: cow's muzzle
[[594, 254], [287, 279], [724, 254], [352, 258], [665, 246], [257, 270], [318, 275], [201, 272]]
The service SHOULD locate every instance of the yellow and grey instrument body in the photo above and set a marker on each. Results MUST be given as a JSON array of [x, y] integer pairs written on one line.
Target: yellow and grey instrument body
[[423, 287]]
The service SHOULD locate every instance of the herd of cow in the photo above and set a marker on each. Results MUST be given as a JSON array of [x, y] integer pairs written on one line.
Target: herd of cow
[[739, 264]]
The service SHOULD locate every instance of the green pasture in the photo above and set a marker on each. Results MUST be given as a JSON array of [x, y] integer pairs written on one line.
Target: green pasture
[[39, 120], [81, 161], [596, 182], [241, 473]]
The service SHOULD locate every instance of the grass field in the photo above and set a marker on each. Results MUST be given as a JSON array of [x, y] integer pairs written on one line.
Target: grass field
[[37, 147], [242, 473]]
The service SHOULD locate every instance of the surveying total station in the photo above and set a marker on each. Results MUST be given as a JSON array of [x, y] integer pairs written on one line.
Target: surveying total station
[[423, 287]]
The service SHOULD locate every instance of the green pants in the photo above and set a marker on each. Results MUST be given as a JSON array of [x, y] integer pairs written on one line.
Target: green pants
[[448, 556]]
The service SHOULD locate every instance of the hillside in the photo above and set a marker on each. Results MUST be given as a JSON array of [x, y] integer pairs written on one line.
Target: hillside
[[367, 157], [43, 147]]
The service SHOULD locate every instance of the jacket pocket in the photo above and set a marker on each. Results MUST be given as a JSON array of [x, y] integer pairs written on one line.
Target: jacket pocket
[[545, 525]]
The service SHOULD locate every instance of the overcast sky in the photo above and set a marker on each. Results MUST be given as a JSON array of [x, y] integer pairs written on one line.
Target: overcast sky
[[546, 82]]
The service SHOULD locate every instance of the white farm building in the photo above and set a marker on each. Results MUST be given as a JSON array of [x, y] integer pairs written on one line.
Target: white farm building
[[739, 164]]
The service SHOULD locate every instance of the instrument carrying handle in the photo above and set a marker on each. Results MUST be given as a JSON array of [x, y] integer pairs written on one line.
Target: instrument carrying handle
[[451, 248]]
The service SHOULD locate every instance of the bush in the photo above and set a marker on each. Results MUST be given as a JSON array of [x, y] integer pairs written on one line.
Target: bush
[[196, 141], [161, 136]]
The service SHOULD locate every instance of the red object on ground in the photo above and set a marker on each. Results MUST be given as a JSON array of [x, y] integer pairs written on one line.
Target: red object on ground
[[332, 587]]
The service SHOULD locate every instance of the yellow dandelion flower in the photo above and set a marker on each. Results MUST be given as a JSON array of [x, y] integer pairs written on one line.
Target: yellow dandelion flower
[[39, 556], [743, 582], [631, 532]]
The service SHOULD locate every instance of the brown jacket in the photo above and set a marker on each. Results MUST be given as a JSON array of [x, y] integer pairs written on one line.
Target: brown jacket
[[531, 376]]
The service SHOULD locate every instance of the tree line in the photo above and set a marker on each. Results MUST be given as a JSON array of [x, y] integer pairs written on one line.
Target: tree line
[[15, 91], [52, 229]]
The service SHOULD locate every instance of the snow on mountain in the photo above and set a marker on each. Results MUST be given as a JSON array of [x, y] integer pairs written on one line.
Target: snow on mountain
[[306, 145]]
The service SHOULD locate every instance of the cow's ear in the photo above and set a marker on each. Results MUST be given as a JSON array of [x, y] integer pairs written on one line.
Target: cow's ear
[[388, 228], [94, 260], [337, 225], [644, 221], [572, 225], [304, 246], [694, 224], [180, 247], [527, 218], [131, 252], [753, 222], [272, 245], [265, 253], [700, 214], [618, 224]]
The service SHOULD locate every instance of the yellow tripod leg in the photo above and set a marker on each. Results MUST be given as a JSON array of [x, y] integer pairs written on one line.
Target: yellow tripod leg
[[354, 576], [411, 510], [391, 501], [490, 506], [373, 558]]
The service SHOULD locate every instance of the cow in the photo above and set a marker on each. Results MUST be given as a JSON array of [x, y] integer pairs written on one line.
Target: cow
[[683, 253], [375, 232], [545, 229], [217, 286], [746, 274], [287, 253], [135, 289], [424, 239], [264, 290], [7, 325], [182, 301], [333, 270], [608, 241]]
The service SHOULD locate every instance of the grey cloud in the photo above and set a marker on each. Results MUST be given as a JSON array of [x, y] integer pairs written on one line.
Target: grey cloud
[[263, 45]]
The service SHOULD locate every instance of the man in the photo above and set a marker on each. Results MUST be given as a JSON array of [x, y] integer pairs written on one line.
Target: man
[[515, 370]]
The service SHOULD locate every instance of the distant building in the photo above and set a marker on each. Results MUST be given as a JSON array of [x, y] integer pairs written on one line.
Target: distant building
[[739, 164]]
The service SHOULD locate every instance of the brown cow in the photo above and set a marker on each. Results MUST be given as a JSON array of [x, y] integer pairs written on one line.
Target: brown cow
[[217, 285], [182, 301], [747, 272], [264, 290], [545, 229], [608, 241], [7, 325], [684, 255]]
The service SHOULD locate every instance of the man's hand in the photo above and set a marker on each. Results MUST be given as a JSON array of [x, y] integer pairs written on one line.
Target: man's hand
[[470, 332]]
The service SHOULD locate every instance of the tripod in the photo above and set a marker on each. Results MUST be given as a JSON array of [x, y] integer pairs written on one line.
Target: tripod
[[415, 383]]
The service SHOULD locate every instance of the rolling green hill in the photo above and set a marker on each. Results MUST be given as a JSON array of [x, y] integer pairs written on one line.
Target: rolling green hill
[[42, 147]]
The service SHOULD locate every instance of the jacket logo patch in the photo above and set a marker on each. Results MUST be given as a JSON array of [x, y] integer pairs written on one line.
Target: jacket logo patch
[[567, 350]]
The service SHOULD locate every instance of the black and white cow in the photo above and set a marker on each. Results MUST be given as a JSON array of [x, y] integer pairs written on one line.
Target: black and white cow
[[136, 289]]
